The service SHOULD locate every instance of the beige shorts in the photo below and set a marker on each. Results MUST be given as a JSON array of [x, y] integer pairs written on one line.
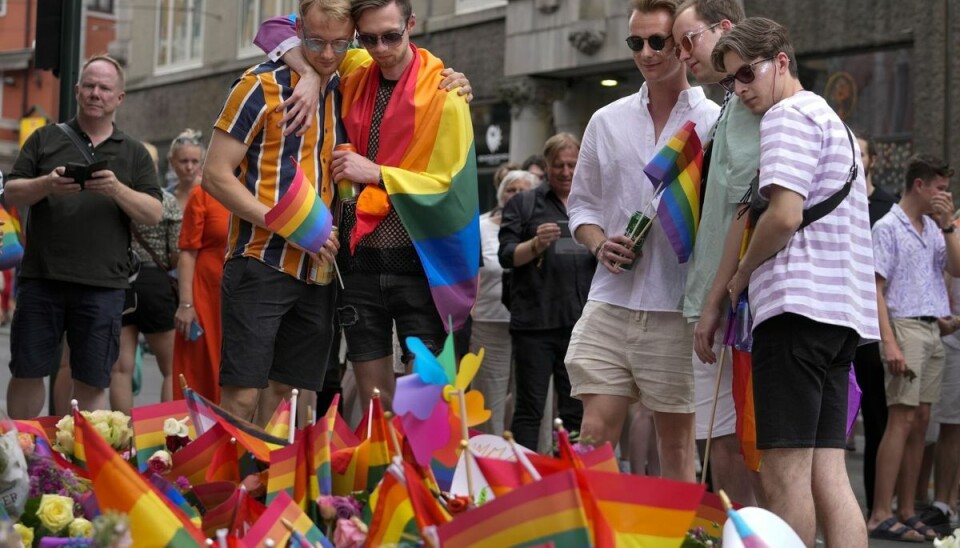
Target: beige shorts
[[922, 349], [640, 355], [705, 380]]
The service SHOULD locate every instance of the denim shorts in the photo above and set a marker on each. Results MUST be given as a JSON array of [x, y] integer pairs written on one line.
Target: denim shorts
[[372, 303], [89, 315], [801, 374], [275, 327]]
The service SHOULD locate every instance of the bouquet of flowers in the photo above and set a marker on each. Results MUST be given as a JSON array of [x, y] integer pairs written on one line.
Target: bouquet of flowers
[[951, 541], [14, 477], [114, 426]]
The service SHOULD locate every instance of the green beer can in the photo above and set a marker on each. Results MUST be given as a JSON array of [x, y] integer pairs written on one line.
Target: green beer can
[[637, 232]]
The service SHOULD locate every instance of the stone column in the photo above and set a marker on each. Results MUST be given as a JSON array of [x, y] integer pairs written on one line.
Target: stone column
[[531, 107]]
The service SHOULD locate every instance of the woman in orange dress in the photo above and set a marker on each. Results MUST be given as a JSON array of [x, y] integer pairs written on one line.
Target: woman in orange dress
[[203, 241]]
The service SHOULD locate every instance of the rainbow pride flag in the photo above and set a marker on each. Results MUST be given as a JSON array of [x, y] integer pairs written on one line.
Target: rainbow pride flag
[[173, 496], [270, 525], [279, 423], [676, 169], [301, 216], [320, 478], [194, 460], [746, 428], [393, 521], [643, 510], [254, 439], [429, 172], [551, 510], [340, 435], [147, 421], [119, 487], [288, 471]]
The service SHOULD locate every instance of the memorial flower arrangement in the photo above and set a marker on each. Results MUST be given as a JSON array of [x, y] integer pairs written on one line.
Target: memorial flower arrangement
[[114, 426], [950, 541]]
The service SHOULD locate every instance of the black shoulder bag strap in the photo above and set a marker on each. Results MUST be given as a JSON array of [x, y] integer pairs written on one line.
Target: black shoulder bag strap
[[819, 211], [84, 149]]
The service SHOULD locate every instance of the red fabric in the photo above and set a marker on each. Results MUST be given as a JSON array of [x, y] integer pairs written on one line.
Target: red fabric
[[205, 226]]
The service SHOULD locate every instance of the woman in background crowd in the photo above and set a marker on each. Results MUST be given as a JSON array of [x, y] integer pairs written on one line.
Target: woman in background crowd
[[491, 319], [203, 240]]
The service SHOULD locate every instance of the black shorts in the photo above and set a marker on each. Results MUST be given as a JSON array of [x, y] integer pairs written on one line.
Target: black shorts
[[89, 315], [275, 327], [801, 372], [156, 301], [370, 305]]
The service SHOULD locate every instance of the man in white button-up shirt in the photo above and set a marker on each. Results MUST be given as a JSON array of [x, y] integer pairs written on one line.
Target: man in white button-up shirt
[[632, 342]]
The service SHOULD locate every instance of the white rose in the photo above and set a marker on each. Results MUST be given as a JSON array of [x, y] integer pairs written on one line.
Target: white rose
[[171, 427]]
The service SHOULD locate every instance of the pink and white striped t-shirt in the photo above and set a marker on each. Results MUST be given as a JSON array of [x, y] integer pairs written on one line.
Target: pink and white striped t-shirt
[[825, 272]]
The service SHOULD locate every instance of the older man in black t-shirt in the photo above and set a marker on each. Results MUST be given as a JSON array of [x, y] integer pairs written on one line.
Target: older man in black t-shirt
[[75, 266]]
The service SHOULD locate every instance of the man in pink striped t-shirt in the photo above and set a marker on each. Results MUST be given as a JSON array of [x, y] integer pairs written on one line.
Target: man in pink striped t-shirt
[[812, 292]]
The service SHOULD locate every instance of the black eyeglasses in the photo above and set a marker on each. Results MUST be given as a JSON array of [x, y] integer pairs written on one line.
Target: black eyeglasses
[[686, 43], [657, 42], [744, 75], [390, 39]]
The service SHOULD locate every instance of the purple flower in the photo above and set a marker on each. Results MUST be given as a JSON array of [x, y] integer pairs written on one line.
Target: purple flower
[[346, 507], [183, 484]]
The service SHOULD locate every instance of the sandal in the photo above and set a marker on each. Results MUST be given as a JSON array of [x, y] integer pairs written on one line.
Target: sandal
[[917, 525], [886, 531]]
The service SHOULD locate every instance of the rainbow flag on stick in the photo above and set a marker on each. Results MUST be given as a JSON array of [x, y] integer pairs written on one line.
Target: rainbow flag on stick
[[676, 169], [301, 216], [253, 438], [271, 526], [551, 510], [119, 487]]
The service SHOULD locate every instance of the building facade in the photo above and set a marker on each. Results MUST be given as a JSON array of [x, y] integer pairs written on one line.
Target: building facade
[[26, 91]]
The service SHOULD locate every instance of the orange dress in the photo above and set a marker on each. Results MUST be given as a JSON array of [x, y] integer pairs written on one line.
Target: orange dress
[[205, 223]]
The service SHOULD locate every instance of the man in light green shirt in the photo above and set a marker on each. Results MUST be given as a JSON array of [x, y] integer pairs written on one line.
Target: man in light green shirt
[[734, 161]]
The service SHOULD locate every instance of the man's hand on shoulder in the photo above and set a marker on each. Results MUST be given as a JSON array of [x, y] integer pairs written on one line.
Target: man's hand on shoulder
[[354, 167], [301, 105], [453, 80], [56, 183]]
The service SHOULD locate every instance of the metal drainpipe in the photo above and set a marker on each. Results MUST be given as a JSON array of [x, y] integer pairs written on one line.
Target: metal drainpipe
[[24, 99], [947, 77]]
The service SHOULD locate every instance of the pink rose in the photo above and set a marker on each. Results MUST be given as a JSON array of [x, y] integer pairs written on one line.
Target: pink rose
[[160, 462], [351, 533]]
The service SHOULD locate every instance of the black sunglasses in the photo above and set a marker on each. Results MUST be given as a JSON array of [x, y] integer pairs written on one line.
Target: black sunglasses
[[657, 42], [744, 75], [390, 39]]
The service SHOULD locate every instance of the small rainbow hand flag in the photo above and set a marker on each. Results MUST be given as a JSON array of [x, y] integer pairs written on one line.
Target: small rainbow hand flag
[[676, 168], [301, 216]]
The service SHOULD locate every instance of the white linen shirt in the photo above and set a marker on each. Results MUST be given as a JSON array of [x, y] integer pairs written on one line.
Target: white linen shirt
[[609, 185]]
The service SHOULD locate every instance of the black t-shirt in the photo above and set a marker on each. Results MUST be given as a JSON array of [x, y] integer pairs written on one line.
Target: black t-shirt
[[81, 238], [879, 203], [548, 293]]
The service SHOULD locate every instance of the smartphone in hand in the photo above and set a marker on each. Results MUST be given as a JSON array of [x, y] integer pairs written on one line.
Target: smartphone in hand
[[195, 331]]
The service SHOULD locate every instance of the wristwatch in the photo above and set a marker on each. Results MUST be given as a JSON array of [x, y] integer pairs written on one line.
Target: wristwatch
[[949, 229]]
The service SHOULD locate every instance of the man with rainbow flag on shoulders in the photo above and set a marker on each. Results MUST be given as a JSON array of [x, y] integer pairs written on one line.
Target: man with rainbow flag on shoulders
[[811, 283], [278, 299], [410, 241], [632, 342]]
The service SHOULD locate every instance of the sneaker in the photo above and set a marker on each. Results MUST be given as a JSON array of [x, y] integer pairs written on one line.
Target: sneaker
[[936, 520]]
